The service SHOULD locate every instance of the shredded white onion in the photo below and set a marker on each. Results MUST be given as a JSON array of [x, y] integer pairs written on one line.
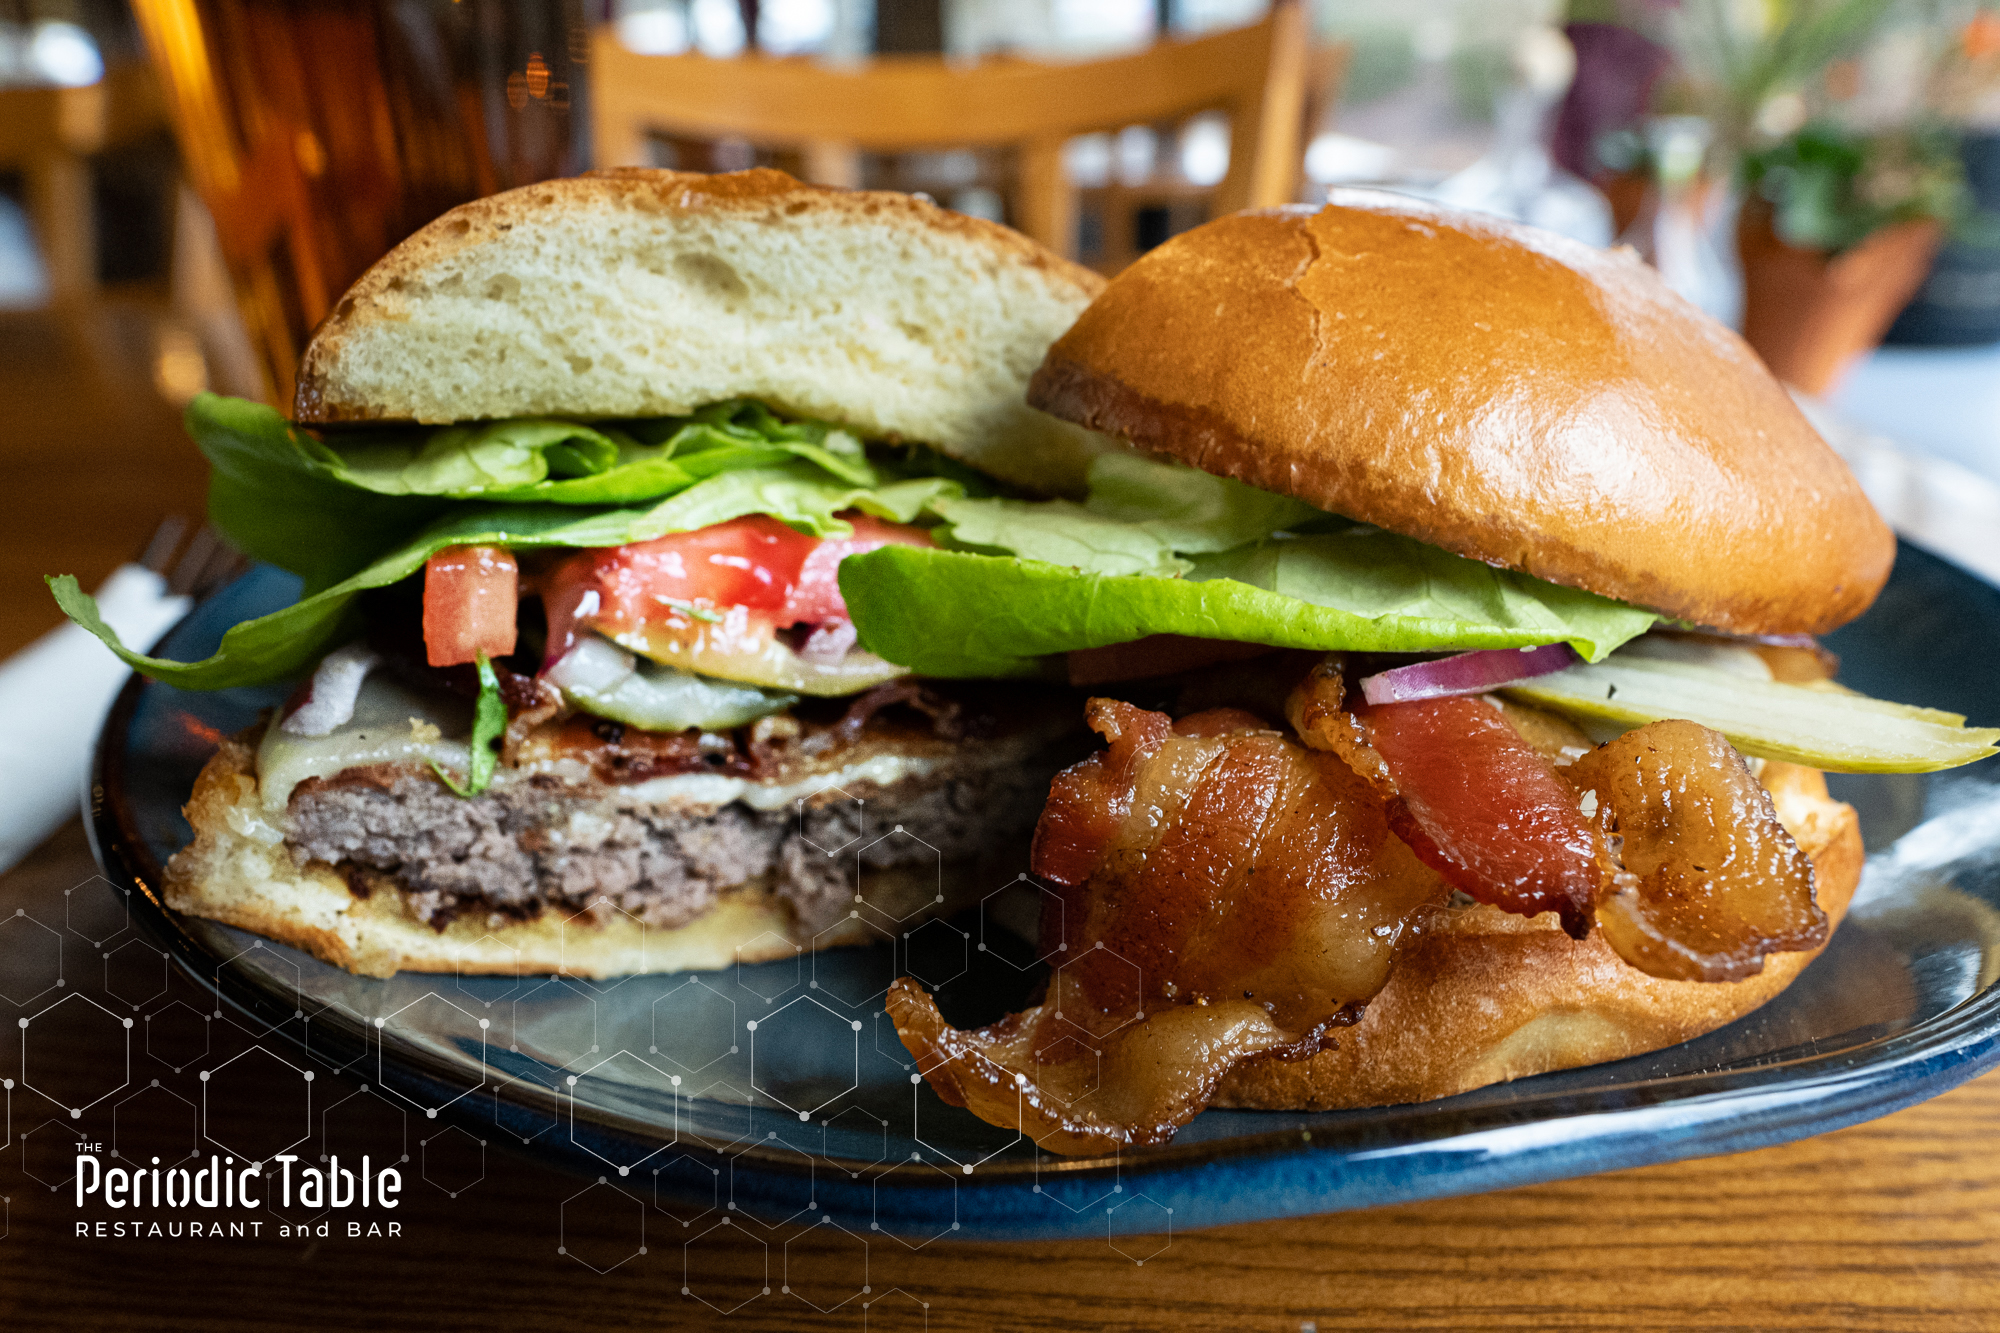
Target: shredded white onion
[[828, 643], [336, 684], [591, 664]]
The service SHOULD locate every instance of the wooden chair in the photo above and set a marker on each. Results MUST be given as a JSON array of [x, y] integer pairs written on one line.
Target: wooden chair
[[48, 135], [830, 114]]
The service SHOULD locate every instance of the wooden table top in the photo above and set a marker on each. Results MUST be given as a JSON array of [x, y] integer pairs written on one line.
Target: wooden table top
[[1893, 1224]]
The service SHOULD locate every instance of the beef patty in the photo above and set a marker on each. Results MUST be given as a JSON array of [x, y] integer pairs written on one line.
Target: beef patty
[[537, 842]]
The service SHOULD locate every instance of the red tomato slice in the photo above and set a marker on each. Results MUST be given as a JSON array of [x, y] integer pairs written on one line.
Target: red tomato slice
[[1482, 808], [815, 596], [682, 581], [470, 597]]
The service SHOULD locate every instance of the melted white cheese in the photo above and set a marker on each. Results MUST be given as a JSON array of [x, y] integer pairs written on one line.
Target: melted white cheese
[[381, 733], [715, 789], [378, 733]]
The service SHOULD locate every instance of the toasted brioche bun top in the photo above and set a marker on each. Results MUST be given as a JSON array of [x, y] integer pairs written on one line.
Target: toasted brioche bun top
[[1492, 389], [651, 293]]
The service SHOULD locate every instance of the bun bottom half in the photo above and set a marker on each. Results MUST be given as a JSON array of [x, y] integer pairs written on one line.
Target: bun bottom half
[[363, 921], [1483, 997]]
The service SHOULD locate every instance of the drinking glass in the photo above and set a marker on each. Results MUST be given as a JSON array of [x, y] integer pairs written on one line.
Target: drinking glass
[[320, 133]]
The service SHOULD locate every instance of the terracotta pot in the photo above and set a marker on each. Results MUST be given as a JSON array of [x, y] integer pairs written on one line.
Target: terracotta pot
[[1812, 313], [1625, 191]]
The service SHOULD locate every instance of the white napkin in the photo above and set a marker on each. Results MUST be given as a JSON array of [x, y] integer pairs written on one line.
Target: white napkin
[[53, 697]]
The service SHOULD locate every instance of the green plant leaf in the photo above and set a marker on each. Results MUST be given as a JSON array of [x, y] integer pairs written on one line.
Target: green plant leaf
[[1831, 188]]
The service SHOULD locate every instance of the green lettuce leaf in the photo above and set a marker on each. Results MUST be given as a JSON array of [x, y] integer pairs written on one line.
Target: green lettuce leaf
[[489, 724], [954, 613], [1188, 510], [1043, 578], [484, 461], [537, 461], [1384, 578], [276, 500], [1059, 533], [1038, 579], [283, 644]]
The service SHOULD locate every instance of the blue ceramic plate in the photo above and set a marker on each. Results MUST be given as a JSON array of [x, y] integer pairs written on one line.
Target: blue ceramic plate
[[781, 1089]]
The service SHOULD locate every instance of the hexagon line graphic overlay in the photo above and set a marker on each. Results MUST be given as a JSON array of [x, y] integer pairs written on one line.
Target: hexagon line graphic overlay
[[606, 1194], [135, 973], [1040, 1159], [734, 1237], [931, 871], [993, 906], [176, 1059], [18, 941], [704, 1034], [853, 806], [964, 1165], [668, 1082], [1139, 1229], [686, 1175], [233, 1077], [121, 898], [236, 1014], [813, 1235], [909, 1242], [431, 999], [594, 919], [784, 1197], [805, 1005], [76, 1104], [1138, 1241], [868, 1308], [435, 1164]]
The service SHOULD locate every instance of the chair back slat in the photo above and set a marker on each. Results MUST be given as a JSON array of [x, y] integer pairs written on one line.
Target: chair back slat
[[889, 104]]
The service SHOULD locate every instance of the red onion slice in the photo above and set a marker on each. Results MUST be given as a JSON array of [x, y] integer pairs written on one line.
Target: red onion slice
[[1467, 673]]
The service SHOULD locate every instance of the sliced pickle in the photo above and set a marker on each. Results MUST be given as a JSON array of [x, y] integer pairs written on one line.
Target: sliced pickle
[[737, 647], [1817, 724], [604, 680]]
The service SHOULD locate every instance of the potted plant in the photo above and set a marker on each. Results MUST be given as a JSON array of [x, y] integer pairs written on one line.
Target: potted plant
[[1959, 302], [1821, 114], [1837, 232]]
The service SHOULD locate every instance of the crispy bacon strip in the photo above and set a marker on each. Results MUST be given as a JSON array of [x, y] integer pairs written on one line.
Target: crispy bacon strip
[[1090, 802], [1514, 807], [1712, 882], [1315, 712], [1484, 809], [1229, 895]]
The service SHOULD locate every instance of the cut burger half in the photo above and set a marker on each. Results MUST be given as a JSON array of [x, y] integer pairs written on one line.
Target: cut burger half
[[570, 476], [1468, 575]]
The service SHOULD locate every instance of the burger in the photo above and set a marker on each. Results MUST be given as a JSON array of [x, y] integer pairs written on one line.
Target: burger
[[1491, 571], [567, 483], [698, 568]]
